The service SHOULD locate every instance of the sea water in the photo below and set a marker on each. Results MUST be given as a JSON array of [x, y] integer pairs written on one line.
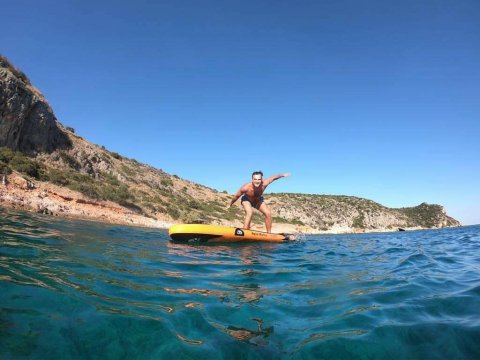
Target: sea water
[[85, 290]]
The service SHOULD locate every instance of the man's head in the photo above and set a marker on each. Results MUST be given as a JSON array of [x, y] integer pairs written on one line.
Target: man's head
[[257, 177]]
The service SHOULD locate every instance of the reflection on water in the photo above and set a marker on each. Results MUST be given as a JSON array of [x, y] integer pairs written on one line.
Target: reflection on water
[[71, 289]]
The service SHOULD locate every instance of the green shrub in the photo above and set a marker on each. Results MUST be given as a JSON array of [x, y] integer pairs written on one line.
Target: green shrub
[[6, 154], [165, 193], [358, 222], [280, 220], [69, 160], [193, 204], [173, 212], [212, 207], [258, 218], [116, 155], [119, 194], [131, 206], [79, 177], [25, 165], [127, 170], [231, 214], [152, 206], [189, 217], [296, 222], [166, 182], [86, 189], [57, 177], [155, 200], [110, 179], [4, 169]]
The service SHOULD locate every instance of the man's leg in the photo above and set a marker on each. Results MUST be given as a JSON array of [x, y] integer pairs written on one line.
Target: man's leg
[[248, 214], [268, 216]]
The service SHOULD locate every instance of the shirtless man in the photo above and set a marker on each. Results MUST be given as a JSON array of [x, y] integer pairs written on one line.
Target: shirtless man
[[251, 194]]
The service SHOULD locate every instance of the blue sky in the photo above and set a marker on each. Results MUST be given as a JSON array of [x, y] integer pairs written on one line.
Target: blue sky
[[376, 99]]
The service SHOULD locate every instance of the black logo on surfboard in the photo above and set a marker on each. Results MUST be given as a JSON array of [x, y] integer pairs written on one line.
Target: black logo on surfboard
[[239, 232]]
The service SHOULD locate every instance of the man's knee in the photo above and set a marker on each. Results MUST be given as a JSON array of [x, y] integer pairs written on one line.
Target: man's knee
[[248, 212]]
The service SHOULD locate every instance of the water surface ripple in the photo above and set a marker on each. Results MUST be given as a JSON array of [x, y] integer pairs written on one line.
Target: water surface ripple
[[72, 289]]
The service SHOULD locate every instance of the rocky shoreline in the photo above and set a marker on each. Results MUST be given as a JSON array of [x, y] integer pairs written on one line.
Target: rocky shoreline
[[45, 198], [17, 192]]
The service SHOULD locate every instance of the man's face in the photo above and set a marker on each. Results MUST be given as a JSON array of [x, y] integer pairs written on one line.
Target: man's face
[[257, 180]]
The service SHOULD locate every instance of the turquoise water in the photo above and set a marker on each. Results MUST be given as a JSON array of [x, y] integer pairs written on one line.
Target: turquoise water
[[71, 289]]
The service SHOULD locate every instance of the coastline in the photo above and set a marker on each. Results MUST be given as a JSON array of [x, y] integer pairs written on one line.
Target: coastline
[[50, 199], [46, 198]]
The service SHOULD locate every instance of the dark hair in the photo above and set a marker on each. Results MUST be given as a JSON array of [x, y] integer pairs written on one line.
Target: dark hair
[[257, 173]]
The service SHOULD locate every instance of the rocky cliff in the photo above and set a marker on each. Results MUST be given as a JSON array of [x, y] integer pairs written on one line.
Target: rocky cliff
[[27, 122], [48, 168]]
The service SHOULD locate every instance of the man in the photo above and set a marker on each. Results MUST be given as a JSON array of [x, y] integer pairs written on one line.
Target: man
[[251, 194]]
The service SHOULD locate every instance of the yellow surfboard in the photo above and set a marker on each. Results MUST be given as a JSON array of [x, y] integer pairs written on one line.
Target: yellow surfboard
[[201, 233]]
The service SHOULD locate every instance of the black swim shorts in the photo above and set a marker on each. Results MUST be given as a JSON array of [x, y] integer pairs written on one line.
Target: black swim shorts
[[255, 204]]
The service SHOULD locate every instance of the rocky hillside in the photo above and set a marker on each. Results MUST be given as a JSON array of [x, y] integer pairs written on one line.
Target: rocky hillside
[[48, 168], [27, 121], [347, 213]]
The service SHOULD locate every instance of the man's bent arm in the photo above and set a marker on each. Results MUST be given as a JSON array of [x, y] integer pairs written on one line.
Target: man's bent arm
[[235, 197]]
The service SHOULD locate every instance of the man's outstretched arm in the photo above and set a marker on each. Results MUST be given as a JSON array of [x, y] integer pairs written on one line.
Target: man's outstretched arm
[[271, 179]]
